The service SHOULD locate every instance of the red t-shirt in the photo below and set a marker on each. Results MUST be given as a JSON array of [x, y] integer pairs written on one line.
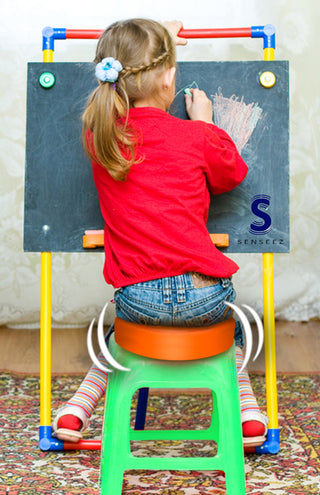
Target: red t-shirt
[[155, 221]]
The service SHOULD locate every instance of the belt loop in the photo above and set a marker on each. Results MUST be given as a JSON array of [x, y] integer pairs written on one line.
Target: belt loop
[[166, 290], [181, 291]]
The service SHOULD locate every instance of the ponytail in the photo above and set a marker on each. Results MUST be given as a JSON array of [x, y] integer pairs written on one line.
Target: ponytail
[[145, 49], [113, 144]]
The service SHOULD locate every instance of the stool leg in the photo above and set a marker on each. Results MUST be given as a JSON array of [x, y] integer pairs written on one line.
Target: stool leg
[[115, 445], [235, 472], [232, 431], [235, 482], [142, 405]]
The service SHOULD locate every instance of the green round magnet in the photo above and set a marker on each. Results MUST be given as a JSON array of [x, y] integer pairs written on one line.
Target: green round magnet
[[47, 80]]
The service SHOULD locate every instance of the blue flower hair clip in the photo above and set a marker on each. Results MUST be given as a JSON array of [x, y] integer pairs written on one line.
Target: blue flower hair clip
[[108, 69]]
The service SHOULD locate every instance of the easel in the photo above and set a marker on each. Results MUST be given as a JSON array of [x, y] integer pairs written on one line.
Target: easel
[[47, 442]]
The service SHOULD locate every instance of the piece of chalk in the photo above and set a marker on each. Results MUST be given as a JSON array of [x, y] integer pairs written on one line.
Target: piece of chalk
[[188, 92]]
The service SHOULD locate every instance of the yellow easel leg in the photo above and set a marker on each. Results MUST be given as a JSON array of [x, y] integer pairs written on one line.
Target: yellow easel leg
[[268, 54], [47, 56], [269, 323], [45, 340], [45, 441], [270, 341]]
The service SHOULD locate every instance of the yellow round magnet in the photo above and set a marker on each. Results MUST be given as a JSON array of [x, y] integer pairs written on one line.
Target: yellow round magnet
[[267, 79]]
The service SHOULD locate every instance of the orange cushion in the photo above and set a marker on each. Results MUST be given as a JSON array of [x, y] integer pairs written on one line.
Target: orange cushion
[[174, 343]]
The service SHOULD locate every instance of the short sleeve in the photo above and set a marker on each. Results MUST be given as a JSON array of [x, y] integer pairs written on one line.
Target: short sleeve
[[225, 169]]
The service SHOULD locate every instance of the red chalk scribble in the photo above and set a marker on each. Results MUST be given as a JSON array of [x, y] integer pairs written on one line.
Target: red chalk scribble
[[236, 117]]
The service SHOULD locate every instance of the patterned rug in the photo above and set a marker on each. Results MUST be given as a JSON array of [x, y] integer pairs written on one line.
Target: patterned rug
[[24, 469]]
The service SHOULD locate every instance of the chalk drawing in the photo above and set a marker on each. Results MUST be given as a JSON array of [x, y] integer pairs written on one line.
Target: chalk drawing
[[233, 115], [236, 117], [194, 84]]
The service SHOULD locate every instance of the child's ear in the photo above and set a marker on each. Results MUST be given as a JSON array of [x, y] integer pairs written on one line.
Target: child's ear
[[169, 77]]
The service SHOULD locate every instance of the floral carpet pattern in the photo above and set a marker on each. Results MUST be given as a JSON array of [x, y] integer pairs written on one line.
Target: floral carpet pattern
[[24, 469]]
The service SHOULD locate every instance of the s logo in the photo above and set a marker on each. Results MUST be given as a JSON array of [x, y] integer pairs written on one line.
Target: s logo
[[259, 206]]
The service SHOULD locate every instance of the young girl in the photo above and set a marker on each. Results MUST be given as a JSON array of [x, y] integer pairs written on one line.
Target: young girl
[[153, 174]]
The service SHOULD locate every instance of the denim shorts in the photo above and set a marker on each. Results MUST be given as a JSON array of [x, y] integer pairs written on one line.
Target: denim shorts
[[175, 301]]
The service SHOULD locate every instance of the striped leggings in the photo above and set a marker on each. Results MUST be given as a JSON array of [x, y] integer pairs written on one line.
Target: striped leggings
[[94, 385]]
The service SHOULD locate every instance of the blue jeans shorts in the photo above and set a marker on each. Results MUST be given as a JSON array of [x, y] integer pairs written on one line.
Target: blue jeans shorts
[[178, 301]]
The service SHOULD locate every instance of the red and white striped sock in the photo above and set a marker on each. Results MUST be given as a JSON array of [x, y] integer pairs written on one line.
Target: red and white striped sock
[[248, 402], [87, 396]]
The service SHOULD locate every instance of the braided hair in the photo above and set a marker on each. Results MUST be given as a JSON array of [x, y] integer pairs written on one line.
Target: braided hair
[[145, 49]]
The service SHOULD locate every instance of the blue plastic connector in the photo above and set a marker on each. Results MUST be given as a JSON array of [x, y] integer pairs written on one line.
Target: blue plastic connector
[[50, 34], [267, 32], [271, 445], [46, 441]]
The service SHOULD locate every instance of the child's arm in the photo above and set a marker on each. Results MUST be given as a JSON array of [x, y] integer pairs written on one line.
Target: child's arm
[[225, 167]]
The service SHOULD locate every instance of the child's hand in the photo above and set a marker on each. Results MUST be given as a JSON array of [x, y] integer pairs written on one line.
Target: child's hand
[[174, 27], [199, 107]]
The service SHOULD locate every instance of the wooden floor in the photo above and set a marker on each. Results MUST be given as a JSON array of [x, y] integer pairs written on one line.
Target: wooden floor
[[298, 349]]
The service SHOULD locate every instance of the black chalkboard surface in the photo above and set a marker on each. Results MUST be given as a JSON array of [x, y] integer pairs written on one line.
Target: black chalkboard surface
[[60, 197]]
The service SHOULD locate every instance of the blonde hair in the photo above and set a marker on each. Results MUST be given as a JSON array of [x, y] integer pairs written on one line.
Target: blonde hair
[[145, 49]]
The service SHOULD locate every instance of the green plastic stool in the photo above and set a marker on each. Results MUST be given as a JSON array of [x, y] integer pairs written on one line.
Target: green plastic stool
[[217, 373]]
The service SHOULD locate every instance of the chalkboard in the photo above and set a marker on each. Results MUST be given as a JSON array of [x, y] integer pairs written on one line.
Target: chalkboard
[[60, 197]]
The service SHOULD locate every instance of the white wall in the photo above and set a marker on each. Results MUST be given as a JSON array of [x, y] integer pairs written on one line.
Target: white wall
[[79, 291]]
